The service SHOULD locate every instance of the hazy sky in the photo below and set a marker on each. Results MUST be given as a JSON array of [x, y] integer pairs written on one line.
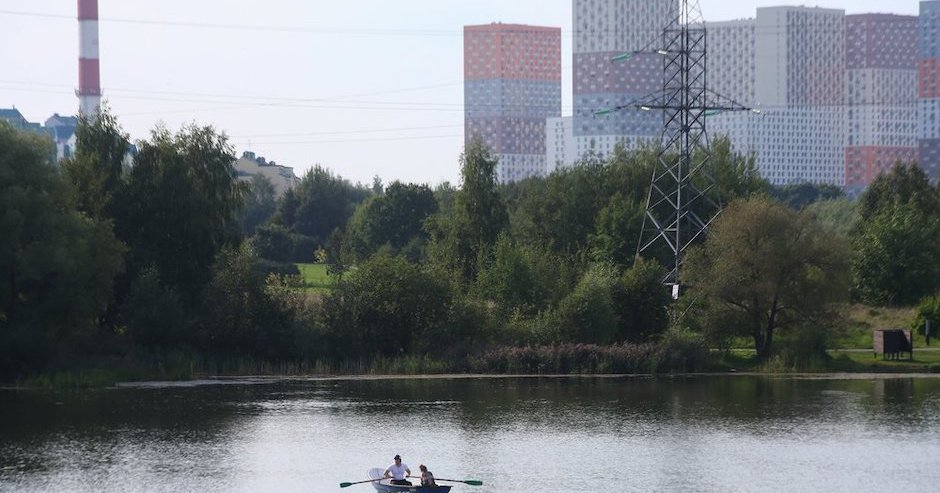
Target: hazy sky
[[364, 87]]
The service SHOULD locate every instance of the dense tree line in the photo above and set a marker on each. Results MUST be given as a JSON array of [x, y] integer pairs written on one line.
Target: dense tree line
[[167, 253]]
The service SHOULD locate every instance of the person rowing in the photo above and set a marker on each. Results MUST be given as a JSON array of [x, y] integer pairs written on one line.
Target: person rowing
[[397, 472], [427, 479]]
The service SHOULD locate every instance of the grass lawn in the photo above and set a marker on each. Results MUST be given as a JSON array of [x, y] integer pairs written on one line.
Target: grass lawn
[[853, 361], [924, 361], [315, 278], [860, 320]]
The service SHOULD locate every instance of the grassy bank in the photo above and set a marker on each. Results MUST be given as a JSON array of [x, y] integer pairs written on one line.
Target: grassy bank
[[315, 278]]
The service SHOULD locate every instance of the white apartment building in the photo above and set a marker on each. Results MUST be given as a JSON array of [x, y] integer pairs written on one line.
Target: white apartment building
[[799, 84]]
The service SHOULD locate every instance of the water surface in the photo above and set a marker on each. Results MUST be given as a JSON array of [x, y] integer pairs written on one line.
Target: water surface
[[706, 433]]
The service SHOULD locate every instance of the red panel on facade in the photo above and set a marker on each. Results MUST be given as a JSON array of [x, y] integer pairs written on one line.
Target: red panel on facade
[[928, 78], [512, 51], [89, 78], [88, 10], [864, 163]]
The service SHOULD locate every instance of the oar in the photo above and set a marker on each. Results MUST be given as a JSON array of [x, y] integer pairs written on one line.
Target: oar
[[347, 484], [471, 482]]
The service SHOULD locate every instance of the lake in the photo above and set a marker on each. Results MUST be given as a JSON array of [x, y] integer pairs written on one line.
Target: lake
[[516, 434]]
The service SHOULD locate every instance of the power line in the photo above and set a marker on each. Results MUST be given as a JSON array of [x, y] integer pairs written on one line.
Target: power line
[[324, 103], [337, 141], [345, 132]]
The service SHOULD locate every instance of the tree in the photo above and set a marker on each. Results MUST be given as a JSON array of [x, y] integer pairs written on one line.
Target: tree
[[766, 267], [180, 206], [260, 204], [96, 170], [389, 306], [897, 238], [522, 279], [897, 255], [393, 218], [587, 314], [803, 194], [321, 203], [462, 240], [736, 176], [57, 265], [478, 201], [927, 310], [641, 302], [240, 317], [837, 216], [904, 184], [596, 206]]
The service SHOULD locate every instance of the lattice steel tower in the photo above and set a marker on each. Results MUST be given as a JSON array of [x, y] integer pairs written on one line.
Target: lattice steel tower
[[680, 205]]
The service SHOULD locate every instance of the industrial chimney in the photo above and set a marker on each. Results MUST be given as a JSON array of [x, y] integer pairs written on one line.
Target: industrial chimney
[[89, 76]]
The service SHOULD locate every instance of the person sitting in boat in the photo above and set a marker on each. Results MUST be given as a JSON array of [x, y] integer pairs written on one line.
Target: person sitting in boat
[[397, 472], [427, 479]]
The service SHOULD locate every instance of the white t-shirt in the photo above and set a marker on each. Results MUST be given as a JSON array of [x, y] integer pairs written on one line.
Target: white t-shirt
[[398, 472]]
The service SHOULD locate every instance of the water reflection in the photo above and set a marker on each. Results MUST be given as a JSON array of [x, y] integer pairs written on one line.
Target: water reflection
[[517, 434]]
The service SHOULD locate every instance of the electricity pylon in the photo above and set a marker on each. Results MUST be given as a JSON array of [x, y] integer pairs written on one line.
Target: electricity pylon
[[680, 207]]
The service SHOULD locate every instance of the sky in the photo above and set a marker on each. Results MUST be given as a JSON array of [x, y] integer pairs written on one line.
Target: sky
[[363, 87]]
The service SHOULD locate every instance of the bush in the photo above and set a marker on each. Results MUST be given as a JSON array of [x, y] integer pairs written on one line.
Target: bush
[[928, 309], [587, 314], [641, 302], [266, 267], [154, 312], [802, 348], [241, 319], [592, 358], [390, 307]]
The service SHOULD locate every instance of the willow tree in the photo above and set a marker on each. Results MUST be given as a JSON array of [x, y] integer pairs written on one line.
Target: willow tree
[[765, 267]]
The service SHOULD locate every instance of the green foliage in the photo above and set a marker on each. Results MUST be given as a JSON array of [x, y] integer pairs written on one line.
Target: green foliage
[[837, 216], [798, 196], [928, 309], [314, 277], [321, 203], [260, 204], [587, 314], [395, 218], [736, 176], [96, 170], [680, 353], [388, 306], [897, 240], [617, 230], [57, 265], [478, 203], [179, 206], [241, 318], [765, 267], [905, 184], [464, 238], [277, 243], [897, 256], [641, 302], [561, 212], [521, 279], [154, 313]]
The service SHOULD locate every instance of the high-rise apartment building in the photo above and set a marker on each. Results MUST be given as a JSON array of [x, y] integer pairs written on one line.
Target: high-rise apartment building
[[799, 84], [604, 29], [559, 142], [731, 70], [928, 87], [881, 85], [512, 83]]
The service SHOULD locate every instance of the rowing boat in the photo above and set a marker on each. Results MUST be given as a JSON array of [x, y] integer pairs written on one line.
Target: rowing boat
[[385, 486]]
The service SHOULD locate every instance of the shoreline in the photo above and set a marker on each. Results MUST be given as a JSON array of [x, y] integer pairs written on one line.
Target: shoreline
[[268, 379]]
